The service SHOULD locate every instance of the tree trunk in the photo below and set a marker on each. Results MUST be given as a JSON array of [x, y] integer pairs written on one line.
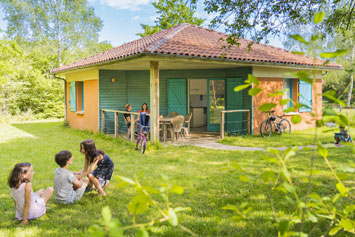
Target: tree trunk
[[351, 78]]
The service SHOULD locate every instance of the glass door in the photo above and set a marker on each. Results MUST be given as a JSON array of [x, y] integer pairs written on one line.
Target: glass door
[[216, 103]]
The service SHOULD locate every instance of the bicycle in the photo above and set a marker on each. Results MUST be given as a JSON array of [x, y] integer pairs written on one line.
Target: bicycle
[[143, 130], [281, 125]]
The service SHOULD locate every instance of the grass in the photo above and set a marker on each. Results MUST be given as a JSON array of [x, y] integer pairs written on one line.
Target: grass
[[202, 172], [296, 138]]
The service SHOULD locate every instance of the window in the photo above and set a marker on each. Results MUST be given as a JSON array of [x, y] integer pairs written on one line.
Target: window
[[288, 84], [305, 96], [76, 96]]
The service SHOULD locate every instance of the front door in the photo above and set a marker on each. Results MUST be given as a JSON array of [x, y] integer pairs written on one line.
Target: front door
[[176, 89], [215, 103], [234, 121]]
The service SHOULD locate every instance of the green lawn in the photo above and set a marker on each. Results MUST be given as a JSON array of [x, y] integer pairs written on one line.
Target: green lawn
[[202, 172], [296, 138]]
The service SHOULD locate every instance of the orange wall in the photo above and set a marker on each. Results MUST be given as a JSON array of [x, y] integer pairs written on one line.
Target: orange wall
[[270, 85], [89, 119]]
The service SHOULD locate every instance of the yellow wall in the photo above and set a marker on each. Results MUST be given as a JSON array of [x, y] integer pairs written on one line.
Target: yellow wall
[[89, 119], [82, 75]]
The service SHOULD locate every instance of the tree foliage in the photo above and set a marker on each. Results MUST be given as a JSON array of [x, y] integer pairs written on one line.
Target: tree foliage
[[64, 25], [259, 19], [171, 13]]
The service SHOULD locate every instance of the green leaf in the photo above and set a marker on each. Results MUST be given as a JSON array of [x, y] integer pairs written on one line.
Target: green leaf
[[142, 233], [334, 230], [318, 17], [303, 76], [182, 209], [268, 176], [253, 79], [106, 215], [273, 151], [283, 226], [127, 180], [278, 93], [299, 38], [296, 119], [266, 107], [254, 91], [338, 52], [271, 159], [172, 218], [138, 205], [237, 166], [289, 110], [230, 207], [322, 151], [315, 37], [241, 87], [331, 96], [177, 189], [244, 178], [284, 101], [298, 52], [312, 217], [342, 190], [346, 224], [150, 189], [285, 173], [344, 120], [288, 187]]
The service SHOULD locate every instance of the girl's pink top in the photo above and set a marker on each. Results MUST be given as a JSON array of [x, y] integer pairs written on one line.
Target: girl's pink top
[[140, 111]]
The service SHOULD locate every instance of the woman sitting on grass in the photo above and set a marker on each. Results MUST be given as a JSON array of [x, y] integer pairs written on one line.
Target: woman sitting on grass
[[29, 205], [101, 176]]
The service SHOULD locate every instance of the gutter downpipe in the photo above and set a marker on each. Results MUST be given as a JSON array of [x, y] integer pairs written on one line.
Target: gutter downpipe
[[65, 95]]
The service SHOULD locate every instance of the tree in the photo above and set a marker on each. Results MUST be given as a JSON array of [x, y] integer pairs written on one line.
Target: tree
[[171, 13], [63, 25], [259, 19]]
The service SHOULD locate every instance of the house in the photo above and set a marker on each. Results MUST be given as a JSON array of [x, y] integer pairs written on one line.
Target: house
[[186, 69]]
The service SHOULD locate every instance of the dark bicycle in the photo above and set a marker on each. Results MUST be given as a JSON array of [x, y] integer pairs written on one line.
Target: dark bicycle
[[280, 125], [143, 125]]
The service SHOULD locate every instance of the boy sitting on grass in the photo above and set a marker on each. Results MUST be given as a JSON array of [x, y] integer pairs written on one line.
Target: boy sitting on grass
[[343, 136], [67, 188]]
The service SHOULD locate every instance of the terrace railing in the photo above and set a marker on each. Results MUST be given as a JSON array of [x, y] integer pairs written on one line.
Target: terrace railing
[[113, 122], [235, 122]]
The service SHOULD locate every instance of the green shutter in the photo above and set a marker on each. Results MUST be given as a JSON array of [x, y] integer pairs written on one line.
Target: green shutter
[[72, 96], [305, 96], [176, 89], [234, 121]]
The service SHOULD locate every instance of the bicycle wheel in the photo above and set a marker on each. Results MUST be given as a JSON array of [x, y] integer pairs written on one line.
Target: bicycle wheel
[[265, 129], [143, 144], [285, 126], [138, 141]]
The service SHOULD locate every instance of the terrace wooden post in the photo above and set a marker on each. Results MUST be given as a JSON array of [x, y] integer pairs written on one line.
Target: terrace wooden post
[[248, 123], [222, 125], [154, 100], [116, 124], [103, 121], [132, 128]]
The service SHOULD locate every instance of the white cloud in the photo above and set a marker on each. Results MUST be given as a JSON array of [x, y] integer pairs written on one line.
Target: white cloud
[[153, 18], [136, 17], [132, 5]]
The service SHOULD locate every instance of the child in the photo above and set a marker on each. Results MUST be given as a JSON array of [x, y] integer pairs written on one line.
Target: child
[[343, 135], [29, 205], [101, 176], [68, 188]]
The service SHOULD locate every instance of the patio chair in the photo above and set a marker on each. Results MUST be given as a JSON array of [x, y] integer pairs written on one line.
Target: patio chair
[[186, 128], [172, 114], [177, 123]]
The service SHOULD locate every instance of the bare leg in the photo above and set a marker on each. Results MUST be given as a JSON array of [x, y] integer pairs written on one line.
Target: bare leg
[[95, 181], [47, 194]]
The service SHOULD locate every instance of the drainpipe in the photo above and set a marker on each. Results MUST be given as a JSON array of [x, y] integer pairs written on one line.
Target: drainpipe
[[65, 95]]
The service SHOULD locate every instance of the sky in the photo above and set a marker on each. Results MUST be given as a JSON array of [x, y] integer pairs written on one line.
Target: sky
[[122, 19]]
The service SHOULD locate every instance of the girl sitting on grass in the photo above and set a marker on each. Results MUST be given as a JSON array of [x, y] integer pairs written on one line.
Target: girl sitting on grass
[[29, 205], [101, 176]]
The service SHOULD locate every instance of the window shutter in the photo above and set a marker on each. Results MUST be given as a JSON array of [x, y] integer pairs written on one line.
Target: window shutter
[[72, 96], [305, 96]]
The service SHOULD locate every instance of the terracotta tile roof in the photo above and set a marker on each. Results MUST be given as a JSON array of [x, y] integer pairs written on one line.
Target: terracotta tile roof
[[195, 41]]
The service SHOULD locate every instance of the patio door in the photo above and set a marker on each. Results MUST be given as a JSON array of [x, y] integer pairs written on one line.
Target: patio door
[[176, 89], [234, 101], [215, 103]]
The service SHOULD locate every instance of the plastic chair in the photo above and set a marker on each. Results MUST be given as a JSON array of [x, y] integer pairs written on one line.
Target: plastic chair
[[177, 123], [187, 124]]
